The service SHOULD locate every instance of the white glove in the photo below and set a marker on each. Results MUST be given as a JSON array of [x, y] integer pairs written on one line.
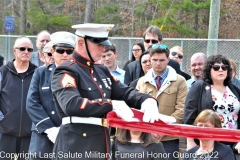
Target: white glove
[[150, 109], [151, 113], [123, 111], [52, 133]]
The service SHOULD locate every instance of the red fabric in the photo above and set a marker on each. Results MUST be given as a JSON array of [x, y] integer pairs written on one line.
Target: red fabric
[[177, 130]]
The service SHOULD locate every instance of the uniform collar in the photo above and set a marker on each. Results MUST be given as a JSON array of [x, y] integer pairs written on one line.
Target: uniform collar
[[79, 58]]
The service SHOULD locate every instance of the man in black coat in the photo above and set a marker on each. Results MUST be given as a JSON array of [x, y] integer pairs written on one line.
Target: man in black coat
[[152, 35], [84, 92], [15, 78]]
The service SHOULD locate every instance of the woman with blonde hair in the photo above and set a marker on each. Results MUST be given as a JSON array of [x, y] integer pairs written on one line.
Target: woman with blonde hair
[[209, 149]]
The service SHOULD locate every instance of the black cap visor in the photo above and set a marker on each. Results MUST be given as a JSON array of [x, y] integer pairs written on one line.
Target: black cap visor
[[103, 41]]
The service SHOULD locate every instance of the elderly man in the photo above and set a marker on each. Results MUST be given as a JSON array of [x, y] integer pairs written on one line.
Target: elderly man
[[169, 88], [176, 54], [196, 67], [15, 78], [47, 54], [40, 104], [85, 92], [43, 38]]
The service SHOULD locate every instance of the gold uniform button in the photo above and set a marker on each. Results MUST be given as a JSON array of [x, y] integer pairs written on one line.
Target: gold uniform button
[[100, 100], [93, 101], [108, 100], [104, 94], [88, 63], [95, 79], [53, 112], [92, 71], [100, 86], [89, 89], [109, 87], [84, 134]]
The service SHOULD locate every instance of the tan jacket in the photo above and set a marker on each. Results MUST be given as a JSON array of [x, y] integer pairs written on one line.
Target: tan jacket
[[171, 96]]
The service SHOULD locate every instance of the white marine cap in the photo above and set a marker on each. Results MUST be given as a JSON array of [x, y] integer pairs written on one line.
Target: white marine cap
[[96, 33], [64, 39]]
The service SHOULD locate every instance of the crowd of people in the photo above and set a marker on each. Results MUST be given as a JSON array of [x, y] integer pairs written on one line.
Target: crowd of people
[[54, 102]]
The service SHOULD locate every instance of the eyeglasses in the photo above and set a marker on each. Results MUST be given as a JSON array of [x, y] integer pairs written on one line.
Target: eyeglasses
[[154, 41], [180, 56], [24, 48], [48, 53], [61, 51], [217, 67], [136, 50], [161, 46]]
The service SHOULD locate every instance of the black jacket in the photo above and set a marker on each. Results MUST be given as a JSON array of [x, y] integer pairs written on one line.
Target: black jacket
[[199, 98], [81, 88], [185, 75], [16, 121]]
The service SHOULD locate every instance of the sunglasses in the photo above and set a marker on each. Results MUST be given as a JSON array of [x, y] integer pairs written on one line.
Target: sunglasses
[[24, 48], [180, 56], [136, 50], [217, 67], [48, 53], [154, 41], [61, 51], [161, 46]]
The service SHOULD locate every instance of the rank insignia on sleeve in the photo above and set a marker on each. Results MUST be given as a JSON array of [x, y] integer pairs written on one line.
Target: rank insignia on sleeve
[[68, 81]]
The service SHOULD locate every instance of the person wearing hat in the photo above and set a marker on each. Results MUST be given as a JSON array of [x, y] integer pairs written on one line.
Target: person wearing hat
[[40, 104], [84, 92]]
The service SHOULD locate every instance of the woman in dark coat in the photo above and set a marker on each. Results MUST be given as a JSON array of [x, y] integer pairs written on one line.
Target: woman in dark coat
[[215, 92]]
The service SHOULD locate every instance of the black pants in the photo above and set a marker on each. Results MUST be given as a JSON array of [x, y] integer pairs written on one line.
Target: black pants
[[172, 148], [11, 146]]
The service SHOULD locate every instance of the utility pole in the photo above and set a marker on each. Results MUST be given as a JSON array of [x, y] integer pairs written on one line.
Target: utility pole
[[213, 27]]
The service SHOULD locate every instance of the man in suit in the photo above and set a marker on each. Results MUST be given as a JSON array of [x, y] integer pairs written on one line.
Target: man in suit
[[40, 104], [152, 35], [43, 38]]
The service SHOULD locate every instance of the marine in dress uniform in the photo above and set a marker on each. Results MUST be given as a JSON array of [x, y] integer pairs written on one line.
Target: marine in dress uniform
[[40, 104], [85, 92]]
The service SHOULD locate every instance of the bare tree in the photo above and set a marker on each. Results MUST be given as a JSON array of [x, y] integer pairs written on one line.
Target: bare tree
[[22, 17], [87, 18]]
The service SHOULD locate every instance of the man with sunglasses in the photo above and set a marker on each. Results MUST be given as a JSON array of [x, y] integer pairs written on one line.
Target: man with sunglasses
[[85, 92], [15, 78], [176, 54], [43, 38], [169, 88], [40, 104], [152, 35], [48, 54]]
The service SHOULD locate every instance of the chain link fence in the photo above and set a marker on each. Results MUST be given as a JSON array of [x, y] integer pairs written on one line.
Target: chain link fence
[[227, 47]]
